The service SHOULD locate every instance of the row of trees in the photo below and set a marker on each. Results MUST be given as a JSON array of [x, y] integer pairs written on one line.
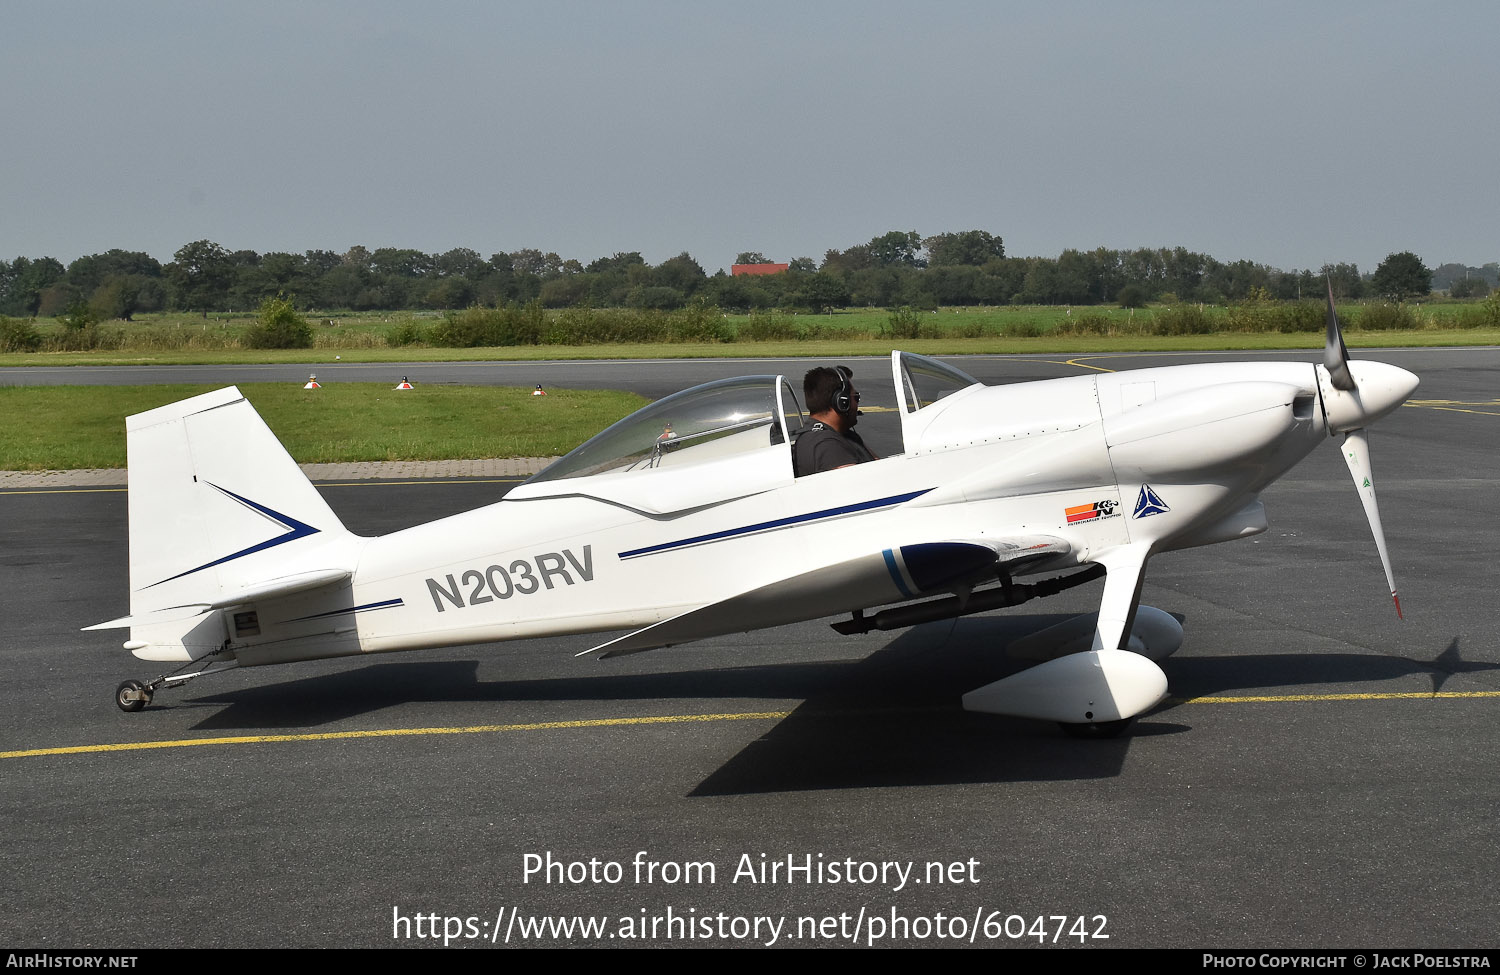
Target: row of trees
[[1463, 281], [898, 268]]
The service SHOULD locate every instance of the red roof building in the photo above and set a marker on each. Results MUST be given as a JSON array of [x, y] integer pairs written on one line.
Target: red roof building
[[739, 269]]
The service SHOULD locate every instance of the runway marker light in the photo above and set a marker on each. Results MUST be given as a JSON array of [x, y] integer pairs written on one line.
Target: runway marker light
[[539, 391], [312, 383], [405, 384]]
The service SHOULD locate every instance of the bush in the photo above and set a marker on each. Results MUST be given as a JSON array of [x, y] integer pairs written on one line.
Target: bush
[[473, 327], [1266, 316], [280, 327], [18, 335], [469, 329], [79, 317], [1088, 323], [1489, 310], [770, 326], [905, 323], [580, 325], [700, 322], [1384, 318], [1485, 314], [1182, 320], [1304, 316], [1252, 317], [90, 338], [408, 332], [1025, 330], [586, 325]]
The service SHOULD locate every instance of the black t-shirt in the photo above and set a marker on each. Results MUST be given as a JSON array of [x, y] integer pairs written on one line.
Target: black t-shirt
[[822, 448]]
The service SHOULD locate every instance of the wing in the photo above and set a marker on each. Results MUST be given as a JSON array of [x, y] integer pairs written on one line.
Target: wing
[[888, 576]]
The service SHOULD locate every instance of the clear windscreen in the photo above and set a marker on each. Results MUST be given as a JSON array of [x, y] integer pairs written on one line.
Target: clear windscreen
[[924, 381]]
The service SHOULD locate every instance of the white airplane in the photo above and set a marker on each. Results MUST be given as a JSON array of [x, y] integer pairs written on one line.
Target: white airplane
[[685, 521]]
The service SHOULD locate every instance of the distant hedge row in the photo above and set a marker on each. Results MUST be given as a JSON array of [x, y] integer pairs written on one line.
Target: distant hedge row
[[1303, 316], [281, 326], [529, 324]]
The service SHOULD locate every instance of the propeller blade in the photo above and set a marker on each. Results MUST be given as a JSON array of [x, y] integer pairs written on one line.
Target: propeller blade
[[1335, 355], [1357, 456]]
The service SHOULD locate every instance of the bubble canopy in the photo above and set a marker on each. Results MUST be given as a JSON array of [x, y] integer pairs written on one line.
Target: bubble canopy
[[703, 423]]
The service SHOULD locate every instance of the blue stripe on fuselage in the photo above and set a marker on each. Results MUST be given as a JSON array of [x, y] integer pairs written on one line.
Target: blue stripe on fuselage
[[778, 523], [387, 604]]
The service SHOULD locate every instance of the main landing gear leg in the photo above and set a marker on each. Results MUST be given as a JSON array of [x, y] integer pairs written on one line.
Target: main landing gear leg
[[1117, 609]]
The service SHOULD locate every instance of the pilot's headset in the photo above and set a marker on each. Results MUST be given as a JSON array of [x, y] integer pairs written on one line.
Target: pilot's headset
[[843, 401]]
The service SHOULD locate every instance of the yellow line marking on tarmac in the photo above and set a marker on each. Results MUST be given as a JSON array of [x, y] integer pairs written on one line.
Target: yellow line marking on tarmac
[[1455, 405], [1454, 402], [661, 719], [1450, 409], [1085, 365], [398, 732]]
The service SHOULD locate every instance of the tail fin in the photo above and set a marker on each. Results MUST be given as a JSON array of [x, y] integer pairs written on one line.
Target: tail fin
[[219, 514]]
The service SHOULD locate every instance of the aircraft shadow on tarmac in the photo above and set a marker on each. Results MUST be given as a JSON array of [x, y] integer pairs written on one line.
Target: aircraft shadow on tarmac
[[890, 719]]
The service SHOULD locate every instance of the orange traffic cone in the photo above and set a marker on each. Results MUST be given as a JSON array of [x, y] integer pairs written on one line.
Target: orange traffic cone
[[312, 383]]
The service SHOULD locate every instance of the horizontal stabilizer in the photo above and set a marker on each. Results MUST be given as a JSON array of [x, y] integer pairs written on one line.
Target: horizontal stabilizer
[[888, 576], [270, 589], [171, 614]]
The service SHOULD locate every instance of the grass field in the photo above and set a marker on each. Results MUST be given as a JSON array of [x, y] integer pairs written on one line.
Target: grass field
[[821, 348], [70, 427]]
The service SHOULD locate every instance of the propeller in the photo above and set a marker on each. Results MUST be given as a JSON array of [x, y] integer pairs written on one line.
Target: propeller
[[1357, 456], [1361, 394], [1335, 353]]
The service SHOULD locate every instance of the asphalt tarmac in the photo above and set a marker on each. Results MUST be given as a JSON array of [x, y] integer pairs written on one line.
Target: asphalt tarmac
[[1323, 776]]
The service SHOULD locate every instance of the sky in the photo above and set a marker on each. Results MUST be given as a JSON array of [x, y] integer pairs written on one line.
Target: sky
[[1291, 134]]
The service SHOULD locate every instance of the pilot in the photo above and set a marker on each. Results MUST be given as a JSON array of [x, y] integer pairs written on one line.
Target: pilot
[[833, 405]]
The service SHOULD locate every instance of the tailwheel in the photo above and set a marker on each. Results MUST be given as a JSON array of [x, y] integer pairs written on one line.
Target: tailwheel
[[1095, 729], [132, 695]]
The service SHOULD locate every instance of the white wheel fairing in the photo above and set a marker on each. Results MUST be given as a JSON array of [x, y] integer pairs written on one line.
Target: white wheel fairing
[[1082, 688]]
